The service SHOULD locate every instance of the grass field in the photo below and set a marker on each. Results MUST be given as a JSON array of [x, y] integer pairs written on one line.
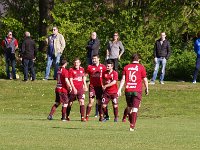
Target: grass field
[[169, 119]]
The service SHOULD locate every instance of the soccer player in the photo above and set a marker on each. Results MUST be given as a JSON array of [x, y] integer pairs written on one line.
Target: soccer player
[[78, 82], [110, 88], [133, 74], [95, 87], [62, 89]]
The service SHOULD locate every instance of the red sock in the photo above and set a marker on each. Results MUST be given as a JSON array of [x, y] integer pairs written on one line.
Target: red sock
[[134, 118], [116, 112], [53, 109], [100, 110], [68, 110], [88, 110], [82, 110], [125, 113], [64, 112]]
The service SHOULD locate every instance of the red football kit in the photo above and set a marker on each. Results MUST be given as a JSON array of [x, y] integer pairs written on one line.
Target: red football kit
[[77, 76], [95, 73], [61, 83], [134, 74], [108, 78]]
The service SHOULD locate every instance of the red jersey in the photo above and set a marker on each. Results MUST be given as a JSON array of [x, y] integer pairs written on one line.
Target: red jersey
[[134, 74], [95, 73], [61, 86], [77, 75], [108, 78]]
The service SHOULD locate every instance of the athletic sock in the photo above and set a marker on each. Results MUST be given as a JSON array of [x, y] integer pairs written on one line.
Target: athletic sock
[[88, 110], [64, 112], [106, 111], [82, 110], [68, 110], [100, 110], [53, 109], [116, 112], [134, 118], [125, 113], [96, 109]]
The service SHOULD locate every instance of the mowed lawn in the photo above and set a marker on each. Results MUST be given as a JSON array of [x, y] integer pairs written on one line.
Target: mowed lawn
[[169, 119]]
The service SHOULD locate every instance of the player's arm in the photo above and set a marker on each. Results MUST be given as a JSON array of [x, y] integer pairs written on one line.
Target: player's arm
[[146, 85], [84, 83], [72, 84], [68, 84], [121, 85], [109, 84]]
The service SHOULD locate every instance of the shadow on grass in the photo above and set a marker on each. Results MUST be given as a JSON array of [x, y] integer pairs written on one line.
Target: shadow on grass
[[76, 128]]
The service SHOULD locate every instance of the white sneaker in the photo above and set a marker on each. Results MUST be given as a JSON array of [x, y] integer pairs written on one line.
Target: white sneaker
[[194, 82], [152, 82], [131, 129], [161, 82]]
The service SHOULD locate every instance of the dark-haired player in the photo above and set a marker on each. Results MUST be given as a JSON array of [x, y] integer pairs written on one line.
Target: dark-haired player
[[62, 89], [110, 89], [78, 83], [133, 75], [95, 87]]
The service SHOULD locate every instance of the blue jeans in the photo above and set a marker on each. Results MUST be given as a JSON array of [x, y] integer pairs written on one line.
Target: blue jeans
[[11, 62], [159, 61], [197, 67], [50, 60], [28, 64]]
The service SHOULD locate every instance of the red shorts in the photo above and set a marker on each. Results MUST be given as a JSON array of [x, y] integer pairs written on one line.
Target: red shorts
[[95, 91], [62, 98], [80, 95], [107, 97], [133, 99]]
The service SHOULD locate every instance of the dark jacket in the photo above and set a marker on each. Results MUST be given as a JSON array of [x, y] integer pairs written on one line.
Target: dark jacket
[[93, 47], [29, 50], [163, 50]]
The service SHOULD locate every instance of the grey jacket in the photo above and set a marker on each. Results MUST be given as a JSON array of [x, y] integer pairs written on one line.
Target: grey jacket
[[115, 49]]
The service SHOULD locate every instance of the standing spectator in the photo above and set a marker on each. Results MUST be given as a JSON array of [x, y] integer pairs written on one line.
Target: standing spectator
[[56, 45], [62, 89], [197, 51], [78, 83], [9, 45], [133, 75], [95, 87], [161, 53], [115, 50], [110, 89], [92, 47], [29, 52]]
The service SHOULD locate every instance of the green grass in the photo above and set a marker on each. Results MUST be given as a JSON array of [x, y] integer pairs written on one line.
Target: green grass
[[168, 119]]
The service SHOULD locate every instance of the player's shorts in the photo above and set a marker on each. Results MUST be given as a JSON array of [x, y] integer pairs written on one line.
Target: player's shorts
[[95, 92], [133, 99], [62, 98], [80, 95], [107, 97]]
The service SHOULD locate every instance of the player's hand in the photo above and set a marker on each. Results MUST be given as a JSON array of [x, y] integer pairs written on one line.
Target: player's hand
[[74, 91], [70, 89], [103, 87], [146, 91], [119, 93]]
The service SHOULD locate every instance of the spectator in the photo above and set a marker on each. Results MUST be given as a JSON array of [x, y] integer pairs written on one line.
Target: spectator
[[133, 75], [161, 53], [197, 51], [29, 52], [92, 47], [115, 50], [56, 45], [9, 45]]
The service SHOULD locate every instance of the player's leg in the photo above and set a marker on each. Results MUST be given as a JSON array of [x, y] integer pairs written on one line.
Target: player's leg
[[64, 100], [81, 98], [104, 103], [125, 114], [72, 97], [91, 101], [54, 107], [115, 106]]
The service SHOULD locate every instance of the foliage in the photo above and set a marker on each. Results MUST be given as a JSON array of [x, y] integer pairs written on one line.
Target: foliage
[[138, 22]]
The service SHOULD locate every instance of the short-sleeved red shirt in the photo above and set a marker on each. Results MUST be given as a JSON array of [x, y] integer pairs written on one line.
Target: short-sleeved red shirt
[[134, 74], [95, 73], [61, 86], [108, 78], [77, 76]]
